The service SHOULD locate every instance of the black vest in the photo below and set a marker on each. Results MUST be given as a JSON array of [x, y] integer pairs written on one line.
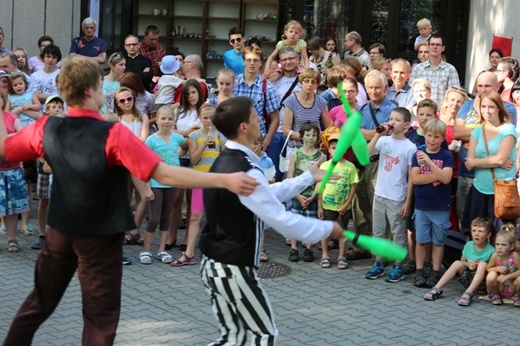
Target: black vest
[[233, 233], [89, 199]]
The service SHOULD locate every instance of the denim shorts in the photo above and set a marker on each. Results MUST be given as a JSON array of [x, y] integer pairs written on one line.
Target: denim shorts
[[431, 226]]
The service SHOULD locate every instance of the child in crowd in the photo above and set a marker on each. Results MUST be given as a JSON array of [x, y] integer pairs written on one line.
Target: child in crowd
[[471, 269], [269, 171], [22, 102], [168, 82], [204, 146], [392, 201], [53, 107], [305, 203], [45, 79], [292, 37], [335, 202], [187, 121], [503, 279], [432, 170], [331, 45], [425, 31], [138, 124], [225, 82], [165, 143]]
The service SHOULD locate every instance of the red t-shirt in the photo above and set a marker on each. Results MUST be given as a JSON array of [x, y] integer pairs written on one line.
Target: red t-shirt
[[122, 148], [178, 92]]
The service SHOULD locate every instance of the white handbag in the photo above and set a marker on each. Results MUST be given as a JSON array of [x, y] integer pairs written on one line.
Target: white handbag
[[283, 165]]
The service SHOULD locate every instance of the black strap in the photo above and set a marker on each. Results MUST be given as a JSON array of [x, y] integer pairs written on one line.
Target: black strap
[[291, 88], [373, 114]]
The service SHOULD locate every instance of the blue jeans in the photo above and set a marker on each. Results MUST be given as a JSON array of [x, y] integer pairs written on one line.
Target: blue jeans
[[274, 150]]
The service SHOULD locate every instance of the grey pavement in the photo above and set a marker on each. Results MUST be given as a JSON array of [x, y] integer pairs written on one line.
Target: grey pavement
[[164, 305]]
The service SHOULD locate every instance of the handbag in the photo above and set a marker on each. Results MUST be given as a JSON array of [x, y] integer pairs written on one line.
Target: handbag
[[283, 165], [507, 200]]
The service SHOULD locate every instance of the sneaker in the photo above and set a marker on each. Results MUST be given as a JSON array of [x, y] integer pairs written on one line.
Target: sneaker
[[293, 255], [396, 274], [308, 255], [38, 243], [28, 230], [377, 270], [409, 266], [126, 260], [433, 279]]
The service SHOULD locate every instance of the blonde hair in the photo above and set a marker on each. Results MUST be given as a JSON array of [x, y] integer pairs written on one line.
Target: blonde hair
[[296, 24], [111, 117], [461, 92], [425, 22], [227, 72], [507, 233], [436, 126], [135, 111], [423, 82], [380, 62], [310, 73]]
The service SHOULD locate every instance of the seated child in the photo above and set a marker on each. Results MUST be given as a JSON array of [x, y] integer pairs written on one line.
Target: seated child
[[471, 269], [503, 279]]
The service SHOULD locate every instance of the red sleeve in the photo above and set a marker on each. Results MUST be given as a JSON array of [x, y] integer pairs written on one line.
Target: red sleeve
[[27, 144], [204, 88], [125, 149], [178, 94]]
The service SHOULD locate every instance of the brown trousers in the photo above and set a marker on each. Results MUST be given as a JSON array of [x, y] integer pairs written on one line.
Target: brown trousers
[[99, 264]]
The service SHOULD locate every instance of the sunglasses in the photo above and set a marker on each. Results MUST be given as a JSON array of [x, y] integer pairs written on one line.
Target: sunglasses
[[237, 40], [123, 101]]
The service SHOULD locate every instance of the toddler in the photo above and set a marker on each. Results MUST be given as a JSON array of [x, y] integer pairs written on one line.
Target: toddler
[[23, 102], [425, 31], [168, 82]]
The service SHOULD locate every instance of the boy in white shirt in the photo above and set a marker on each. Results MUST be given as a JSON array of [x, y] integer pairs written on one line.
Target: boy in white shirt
[[168, 82], [392, 198]]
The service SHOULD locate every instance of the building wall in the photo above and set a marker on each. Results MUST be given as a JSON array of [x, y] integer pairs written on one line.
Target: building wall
[[59, 19], [488, 18]]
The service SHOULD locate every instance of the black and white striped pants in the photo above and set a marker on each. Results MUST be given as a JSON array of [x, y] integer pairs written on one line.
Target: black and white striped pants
[[239, 304]]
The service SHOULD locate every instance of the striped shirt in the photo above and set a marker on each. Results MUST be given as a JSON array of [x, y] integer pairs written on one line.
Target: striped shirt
[[302, 114], [209, 154]]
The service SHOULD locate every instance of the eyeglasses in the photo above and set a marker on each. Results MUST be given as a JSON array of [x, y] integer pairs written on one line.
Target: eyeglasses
[[131, 44], [235, 40], [288, 59], [123, 101]]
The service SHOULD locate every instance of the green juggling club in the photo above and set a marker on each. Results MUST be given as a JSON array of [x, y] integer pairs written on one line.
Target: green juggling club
[[381, 247]]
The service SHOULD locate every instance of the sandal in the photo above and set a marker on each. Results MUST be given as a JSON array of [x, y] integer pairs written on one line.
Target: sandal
[[433, 294], [342, 263], [420, 279], [495, 298], [325, 262], [12, 246], [28, 230], [184, 260], [353, 255], [466, 299], [169, 246], [133, 239], [516, 300], [165, 257], [263, 256], [145, 257]]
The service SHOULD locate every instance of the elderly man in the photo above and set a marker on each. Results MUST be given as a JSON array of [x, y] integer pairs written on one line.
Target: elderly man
[[9, 64], [400, 92], [353, 47], [3, 49], [191, 68], [439, 73], [152, 49], [467, 119], [375, 112], [89, 45], [137, 63]]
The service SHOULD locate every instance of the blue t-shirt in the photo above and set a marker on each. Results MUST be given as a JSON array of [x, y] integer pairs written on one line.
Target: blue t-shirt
[[382, 113], [483, 181], [234, 61], [91, 48], [434, 196], [471, 120], [472, 254], [169, 152]]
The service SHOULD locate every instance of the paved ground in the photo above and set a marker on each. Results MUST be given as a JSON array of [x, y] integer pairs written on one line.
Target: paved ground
[[163, 305]]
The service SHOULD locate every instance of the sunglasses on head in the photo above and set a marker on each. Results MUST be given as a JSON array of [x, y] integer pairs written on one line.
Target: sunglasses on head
[[237, 40], [128, 99]]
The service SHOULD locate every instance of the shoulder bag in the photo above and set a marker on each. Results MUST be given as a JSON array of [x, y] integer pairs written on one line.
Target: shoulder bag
[[507, 201], [283, 164]]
